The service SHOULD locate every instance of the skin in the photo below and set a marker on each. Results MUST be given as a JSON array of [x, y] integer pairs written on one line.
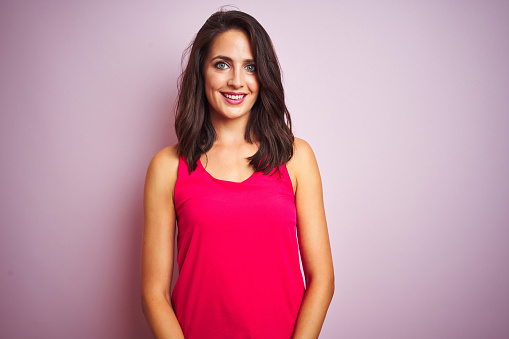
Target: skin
[[230, 68], [226, 160]]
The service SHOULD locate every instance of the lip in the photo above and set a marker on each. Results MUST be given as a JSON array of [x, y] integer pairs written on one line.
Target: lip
[[232, 101]]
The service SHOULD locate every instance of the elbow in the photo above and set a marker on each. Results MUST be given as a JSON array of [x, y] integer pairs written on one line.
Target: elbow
[[145, 302], [151, 299], [329, 284], [144, 305], [324, 282], [332, 285]]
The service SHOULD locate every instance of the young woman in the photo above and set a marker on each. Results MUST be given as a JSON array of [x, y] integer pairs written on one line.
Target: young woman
[[246, 196]]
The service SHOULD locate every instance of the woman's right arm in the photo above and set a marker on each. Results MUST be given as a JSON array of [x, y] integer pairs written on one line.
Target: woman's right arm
[[157, 244]]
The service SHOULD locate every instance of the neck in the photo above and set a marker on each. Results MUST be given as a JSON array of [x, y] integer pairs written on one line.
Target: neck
[[230, 132]]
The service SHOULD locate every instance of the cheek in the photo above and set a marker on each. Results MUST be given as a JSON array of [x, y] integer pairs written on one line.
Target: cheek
[[210, 87], [213, 84], [253, 85]]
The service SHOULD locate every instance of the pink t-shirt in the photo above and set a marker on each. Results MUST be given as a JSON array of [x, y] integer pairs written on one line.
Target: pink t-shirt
[[238, 259]]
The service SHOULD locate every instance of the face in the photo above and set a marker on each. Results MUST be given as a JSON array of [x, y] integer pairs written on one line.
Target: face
[[231, 84]]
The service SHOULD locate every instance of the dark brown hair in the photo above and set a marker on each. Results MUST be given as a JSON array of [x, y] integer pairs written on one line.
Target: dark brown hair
[[269, 122]]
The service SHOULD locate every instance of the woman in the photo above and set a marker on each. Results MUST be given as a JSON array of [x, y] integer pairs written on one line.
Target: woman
[[239, 185]]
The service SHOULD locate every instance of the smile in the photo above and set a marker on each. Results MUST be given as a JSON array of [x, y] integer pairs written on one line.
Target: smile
[[234, 98]]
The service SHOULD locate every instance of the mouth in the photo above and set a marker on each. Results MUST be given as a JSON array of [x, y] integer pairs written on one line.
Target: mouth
[[234, 98]]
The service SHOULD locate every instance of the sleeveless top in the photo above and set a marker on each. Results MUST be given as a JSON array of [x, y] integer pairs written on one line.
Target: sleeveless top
[[238, 259]]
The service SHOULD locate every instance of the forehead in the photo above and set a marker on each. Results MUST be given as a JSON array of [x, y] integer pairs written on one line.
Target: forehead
[[232, 43]]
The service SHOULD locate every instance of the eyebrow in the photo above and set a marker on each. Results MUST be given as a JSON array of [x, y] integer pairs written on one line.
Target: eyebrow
[[222, 57]]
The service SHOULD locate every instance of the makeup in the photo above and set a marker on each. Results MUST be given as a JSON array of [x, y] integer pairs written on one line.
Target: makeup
[[234, 98]]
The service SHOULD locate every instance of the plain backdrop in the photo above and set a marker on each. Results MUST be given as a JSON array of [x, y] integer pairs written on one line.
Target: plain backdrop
[[405, 104]]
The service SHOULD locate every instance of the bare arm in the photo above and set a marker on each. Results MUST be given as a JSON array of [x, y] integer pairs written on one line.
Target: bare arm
[[157, 245], [314, 242]]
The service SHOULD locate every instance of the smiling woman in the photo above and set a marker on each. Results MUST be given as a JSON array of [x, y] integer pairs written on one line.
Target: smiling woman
[[231, 84], [269, 122], [246, 196]]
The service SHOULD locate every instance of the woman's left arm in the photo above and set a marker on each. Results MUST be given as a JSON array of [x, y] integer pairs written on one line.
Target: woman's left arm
[[314, 242]]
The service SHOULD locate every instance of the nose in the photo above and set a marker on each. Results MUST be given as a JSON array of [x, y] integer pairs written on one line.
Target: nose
[[236, 80]]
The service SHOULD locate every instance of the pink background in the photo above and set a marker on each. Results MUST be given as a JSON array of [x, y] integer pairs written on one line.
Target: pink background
[[405, 103]]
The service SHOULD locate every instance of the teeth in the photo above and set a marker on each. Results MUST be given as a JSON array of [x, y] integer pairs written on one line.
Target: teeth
[[233, 97]]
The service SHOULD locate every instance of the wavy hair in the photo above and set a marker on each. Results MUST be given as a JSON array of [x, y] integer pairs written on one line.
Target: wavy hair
[[269, 122]]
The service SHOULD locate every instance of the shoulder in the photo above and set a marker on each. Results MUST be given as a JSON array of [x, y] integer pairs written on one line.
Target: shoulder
[[302, 155], [302, 165], [302, 149], [166, 156], [165, 159], [163, 168]]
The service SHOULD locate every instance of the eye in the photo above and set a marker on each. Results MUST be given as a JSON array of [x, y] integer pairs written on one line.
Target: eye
[[221, 65], [251, 68]]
